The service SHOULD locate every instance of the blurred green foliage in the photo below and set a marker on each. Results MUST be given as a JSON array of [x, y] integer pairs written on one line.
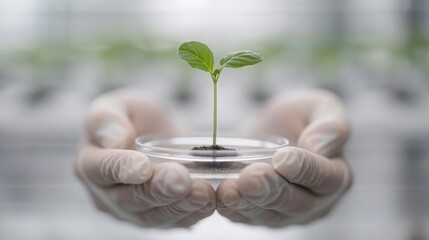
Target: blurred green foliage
[[123, 54], [44, 56]]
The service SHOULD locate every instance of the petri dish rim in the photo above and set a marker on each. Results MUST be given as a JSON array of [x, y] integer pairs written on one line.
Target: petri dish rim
[[142, 145]]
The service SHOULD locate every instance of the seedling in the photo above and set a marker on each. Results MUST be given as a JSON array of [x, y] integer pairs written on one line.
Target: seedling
[[199, 56]]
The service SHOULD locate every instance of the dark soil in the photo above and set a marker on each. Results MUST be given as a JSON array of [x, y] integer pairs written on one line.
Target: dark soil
[[212, 151], [212, 147], [215, 167]]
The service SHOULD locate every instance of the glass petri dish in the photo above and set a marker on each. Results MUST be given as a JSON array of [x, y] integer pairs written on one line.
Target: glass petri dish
[[210, 164]]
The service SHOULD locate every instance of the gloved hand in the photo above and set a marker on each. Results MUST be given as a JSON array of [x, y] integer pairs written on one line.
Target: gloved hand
[[123, 182], [303, 183]]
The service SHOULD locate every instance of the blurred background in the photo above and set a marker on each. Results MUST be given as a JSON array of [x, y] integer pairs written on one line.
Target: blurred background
[[58, 55]]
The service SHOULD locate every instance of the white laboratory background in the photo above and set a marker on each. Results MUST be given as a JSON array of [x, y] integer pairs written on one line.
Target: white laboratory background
[[58, 55]]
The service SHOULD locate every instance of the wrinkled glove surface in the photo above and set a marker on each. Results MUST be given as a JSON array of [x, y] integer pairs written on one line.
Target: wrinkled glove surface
[[123, 182], [304, 181]]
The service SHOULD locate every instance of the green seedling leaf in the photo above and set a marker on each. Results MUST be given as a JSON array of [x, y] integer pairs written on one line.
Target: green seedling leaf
[[197, 55], [240, 59]]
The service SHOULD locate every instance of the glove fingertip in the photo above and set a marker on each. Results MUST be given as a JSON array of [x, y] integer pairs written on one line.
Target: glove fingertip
[[201, 194], [325, 136], [286, 162], [136, 169], [171, 181], [258, 183]]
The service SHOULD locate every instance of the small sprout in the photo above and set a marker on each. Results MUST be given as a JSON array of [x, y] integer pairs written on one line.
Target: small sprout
[[199, 56]]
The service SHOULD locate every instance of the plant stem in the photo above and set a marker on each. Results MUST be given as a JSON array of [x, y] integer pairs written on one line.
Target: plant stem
[[214, 111], [215, 77]]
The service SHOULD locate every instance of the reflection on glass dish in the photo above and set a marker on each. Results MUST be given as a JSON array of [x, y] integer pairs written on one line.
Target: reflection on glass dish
[[210, 164]]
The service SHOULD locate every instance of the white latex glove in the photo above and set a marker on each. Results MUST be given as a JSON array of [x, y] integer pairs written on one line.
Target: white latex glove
[[123, 182], [303, 183]]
